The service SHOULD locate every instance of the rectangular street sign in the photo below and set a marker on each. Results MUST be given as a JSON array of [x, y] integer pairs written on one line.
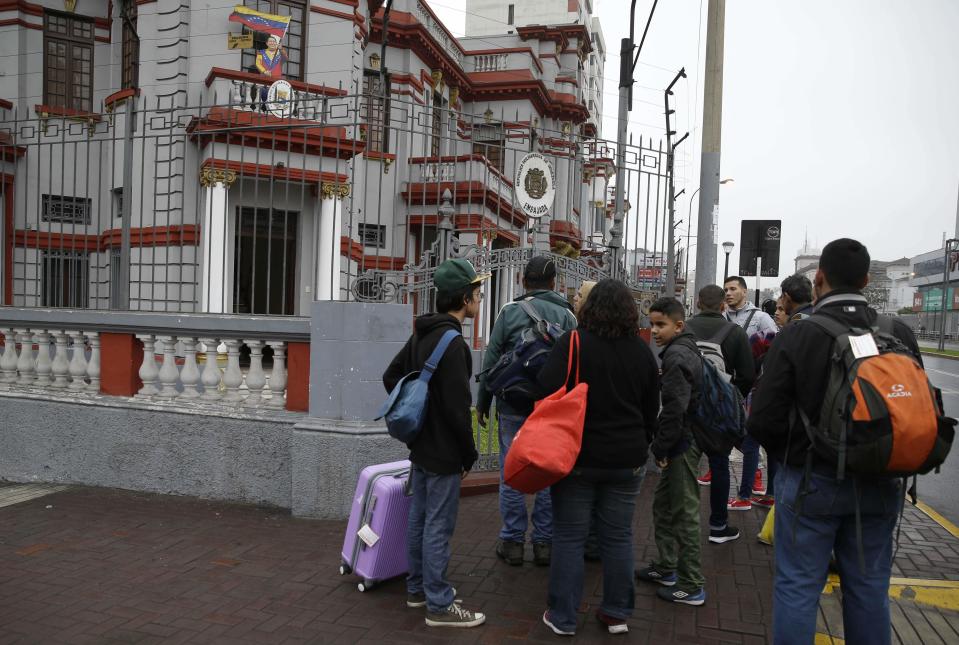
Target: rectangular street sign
[[760, 238]]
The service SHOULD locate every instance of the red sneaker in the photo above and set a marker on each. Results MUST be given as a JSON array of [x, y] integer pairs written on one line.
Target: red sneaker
[[758, 488], [706, 479], [763, 500], [736, 504]]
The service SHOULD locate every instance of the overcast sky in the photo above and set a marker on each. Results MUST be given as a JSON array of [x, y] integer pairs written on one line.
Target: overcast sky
[[840, 118]]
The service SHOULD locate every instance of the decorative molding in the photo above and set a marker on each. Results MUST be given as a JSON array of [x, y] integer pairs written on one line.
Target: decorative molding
[[210, 177], [329, 190]]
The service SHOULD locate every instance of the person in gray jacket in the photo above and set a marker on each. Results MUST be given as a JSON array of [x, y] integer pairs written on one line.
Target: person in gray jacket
[[744, 313], [539, 280]]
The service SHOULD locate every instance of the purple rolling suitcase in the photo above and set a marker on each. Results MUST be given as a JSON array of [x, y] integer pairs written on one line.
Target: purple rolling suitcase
[[375, 543]]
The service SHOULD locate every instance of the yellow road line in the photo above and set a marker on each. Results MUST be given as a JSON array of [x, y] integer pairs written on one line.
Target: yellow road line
[[938, 519], [943, 594], [826, 639]]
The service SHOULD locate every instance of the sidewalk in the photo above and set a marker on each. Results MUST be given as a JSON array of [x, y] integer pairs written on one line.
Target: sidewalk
[[87, 565]]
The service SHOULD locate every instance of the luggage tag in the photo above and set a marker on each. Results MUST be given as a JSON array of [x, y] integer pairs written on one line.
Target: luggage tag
[[368, 536], [863, 346]]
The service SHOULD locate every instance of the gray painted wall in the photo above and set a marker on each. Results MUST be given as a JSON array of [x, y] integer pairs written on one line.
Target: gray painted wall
[[255, 456], [120, 446]]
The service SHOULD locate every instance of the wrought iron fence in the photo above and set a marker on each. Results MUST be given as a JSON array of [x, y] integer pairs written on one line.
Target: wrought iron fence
[[261, 205]]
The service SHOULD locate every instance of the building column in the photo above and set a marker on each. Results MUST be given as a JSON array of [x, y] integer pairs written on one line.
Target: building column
[[330, 227], [213, 292]]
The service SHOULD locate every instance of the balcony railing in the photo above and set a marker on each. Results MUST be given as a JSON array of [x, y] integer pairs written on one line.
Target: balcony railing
[[490, 62], [251, 92], [463, 168]]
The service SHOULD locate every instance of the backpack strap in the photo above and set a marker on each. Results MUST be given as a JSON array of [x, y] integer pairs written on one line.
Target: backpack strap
[[830, 325], [531, 311], [720, 337], [434, 360], [749, 319]]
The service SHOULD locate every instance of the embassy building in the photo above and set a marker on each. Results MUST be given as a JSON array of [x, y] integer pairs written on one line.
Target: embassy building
[[164, 156]]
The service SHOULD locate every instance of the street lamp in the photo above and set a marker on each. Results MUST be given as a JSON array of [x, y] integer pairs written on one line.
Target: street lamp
[[727, 249], [689, 220]]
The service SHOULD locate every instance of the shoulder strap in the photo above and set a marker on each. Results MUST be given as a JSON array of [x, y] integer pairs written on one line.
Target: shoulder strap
[[530, 310], [830, 325], [749, 319], [720, 337], [434, 360]]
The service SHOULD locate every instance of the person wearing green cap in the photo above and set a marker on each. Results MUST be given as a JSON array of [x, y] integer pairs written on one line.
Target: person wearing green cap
[[444, 451]]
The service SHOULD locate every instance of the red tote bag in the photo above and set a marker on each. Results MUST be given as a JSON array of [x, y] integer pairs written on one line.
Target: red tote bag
[[547, 445]]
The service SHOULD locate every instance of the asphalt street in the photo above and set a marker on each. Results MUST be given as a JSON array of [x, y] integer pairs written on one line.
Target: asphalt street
[[941, 491]]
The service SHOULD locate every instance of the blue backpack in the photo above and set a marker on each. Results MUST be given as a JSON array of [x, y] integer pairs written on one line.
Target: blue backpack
[[405, 407], [719, 417], [513, 376]]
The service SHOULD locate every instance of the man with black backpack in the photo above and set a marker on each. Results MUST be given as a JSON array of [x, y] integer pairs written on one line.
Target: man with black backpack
[[539, 301], [846, 409], [726, 345]]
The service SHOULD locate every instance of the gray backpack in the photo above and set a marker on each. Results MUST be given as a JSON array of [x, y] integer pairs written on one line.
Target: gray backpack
[[712, 350]]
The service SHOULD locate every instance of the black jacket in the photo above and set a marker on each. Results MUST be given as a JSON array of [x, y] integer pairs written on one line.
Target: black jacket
[[445, 444], [796, 371], [735, 349], [681, 386], [622, 401]]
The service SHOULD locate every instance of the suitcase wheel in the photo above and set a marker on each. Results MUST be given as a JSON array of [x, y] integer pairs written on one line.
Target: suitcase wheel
[[345, 569], [366, 585]]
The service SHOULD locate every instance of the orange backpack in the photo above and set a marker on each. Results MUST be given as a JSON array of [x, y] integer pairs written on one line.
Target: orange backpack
[[881, 416]]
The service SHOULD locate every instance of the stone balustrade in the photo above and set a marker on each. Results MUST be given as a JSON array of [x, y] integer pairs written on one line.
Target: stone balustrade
[[188, 361], [490, 62], [253, 96], [54, 359], [187, 368]]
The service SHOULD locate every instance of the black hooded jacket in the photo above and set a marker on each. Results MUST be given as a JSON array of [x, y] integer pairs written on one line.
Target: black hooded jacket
[[681, 385], [796, 373], [445, 444]]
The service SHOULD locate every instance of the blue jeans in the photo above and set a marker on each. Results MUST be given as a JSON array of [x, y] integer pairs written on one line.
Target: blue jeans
[[827, 523], [512, 503], [436, 500], [750, 452], [772, 467], [719, 492], [612, 493]]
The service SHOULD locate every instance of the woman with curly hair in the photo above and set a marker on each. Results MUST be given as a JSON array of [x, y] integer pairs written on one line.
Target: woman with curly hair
[[621, 409]]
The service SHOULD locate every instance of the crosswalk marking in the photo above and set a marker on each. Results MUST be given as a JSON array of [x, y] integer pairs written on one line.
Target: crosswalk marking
[[11, 495]]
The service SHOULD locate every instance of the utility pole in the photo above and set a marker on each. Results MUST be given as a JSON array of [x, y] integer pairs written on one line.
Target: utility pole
[[671, 189], [712, 135], [627, 64]]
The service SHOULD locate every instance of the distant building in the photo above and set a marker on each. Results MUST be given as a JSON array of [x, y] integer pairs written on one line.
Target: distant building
[[492, 18], [926, 279], [807, 256]]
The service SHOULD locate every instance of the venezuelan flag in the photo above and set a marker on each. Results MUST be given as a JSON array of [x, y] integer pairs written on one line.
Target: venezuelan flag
[[267, 23]]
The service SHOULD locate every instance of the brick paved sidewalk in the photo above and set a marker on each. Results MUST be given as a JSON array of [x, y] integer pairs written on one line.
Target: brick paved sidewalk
[[106, 566]]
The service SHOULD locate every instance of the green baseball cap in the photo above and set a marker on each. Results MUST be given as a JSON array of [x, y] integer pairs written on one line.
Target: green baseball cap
[[453, 275]]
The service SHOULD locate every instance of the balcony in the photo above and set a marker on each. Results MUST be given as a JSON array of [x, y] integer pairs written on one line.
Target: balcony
[[248, 92], [472, 179]]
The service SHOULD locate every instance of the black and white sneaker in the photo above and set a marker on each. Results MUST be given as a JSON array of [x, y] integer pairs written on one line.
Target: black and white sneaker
[[695, 598], [659, 576], [721, 536], [455, 616]]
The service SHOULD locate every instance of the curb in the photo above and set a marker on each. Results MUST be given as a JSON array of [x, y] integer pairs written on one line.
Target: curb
[[938, 355]]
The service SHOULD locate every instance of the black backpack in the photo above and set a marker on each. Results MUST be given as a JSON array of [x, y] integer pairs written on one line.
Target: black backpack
[[513, 377]]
